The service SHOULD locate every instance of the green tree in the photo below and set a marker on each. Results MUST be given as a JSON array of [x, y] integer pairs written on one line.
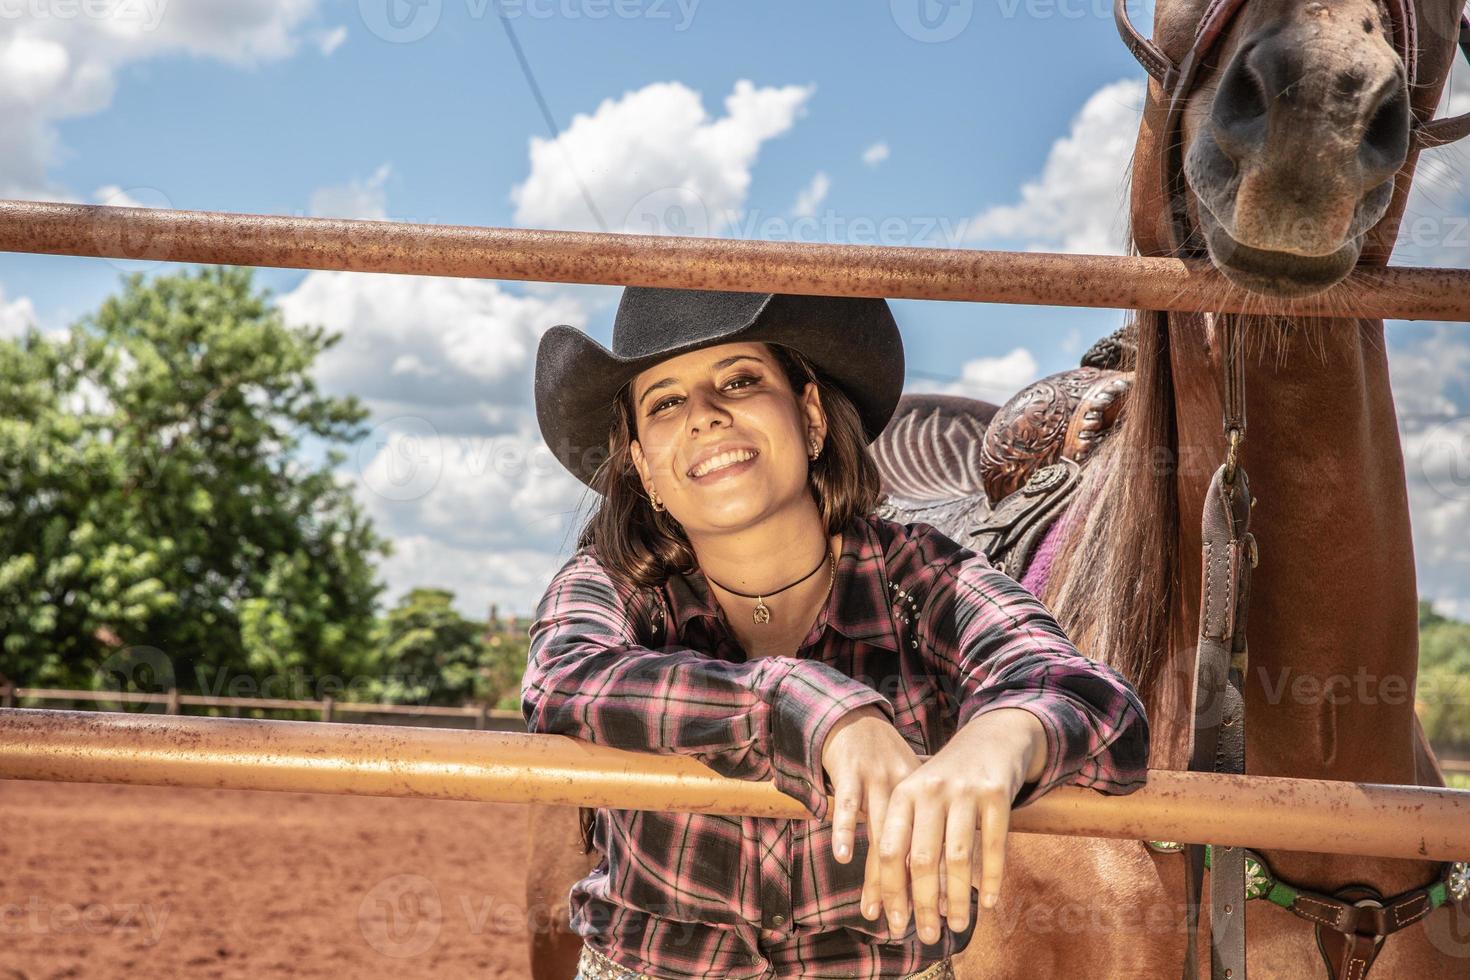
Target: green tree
[[429, 653], [154, 493], [1443, 690]]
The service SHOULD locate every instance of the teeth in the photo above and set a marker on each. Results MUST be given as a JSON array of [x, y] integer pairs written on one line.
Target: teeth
[[721, 461]]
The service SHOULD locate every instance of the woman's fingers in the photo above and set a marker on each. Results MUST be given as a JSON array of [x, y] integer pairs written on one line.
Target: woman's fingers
[[893, 859], [996, 819], [959, 857], [872, 905], [846, 788], [925, 851]]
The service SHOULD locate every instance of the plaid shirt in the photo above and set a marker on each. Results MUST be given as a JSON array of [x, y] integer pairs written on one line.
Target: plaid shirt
[[924, 629]]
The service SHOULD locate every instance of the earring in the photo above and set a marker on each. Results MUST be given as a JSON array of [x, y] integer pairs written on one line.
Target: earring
[[816, 449], [658, 505]]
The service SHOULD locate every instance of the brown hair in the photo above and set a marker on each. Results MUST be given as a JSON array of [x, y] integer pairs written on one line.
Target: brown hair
[[644, 546], [1121, 558]]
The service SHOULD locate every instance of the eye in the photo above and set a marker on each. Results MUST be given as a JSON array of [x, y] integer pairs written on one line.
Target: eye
[[737, 379], [749, 379]]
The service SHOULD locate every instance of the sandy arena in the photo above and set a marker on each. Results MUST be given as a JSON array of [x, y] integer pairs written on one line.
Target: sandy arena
[[140, 881]]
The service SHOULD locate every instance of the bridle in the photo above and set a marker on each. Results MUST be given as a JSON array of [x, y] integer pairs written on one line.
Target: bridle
[[1350, 924], [1177, 80]]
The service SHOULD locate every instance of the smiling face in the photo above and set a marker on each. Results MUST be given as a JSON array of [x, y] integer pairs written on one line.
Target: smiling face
[[723, 438]]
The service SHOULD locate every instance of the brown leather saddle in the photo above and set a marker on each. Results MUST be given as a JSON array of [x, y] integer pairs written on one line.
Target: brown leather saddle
[[997, 478]]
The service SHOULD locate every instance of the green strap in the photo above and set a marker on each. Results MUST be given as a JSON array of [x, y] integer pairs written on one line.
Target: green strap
[[1261, 883]]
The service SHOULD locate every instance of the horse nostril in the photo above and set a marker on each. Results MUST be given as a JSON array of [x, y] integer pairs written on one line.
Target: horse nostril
[[1386, 138], [1239, 108]]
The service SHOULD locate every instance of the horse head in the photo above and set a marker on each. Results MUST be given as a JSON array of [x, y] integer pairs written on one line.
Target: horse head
[[1279, 139]]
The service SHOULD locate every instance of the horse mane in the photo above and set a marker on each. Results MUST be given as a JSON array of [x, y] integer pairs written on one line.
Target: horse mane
[[1117, 571]]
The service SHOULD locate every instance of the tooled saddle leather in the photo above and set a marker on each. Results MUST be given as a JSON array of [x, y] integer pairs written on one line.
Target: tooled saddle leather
[[997, 478]]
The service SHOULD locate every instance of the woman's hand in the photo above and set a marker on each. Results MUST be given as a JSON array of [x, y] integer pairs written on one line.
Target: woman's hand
[[928, 825], [865, 758]]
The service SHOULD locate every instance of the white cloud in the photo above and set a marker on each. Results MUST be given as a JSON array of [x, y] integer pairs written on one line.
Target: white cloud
[[655, 161], [1430, 370], [16, 315], [1435, 229], [364, 199], [1079, 202], [57, 67], [812, 196], [512, 579], [992, 379], [459, 352], [1429, 365], [329, 41], [116, 197], [875, 154], [489, 517], [454, 471]]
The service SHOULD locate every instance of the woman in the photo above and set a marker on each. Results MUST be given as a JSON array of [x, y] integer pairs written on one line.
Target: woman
[[736, 598]]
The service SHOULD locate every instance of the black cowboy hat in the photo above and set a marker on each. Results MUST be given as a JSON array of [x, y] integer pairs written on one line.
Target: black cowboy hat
[[854, 341]]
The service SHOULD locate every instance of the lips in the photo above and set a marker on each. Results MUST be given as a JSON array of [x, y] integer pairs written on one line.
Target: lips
[[720, 458]]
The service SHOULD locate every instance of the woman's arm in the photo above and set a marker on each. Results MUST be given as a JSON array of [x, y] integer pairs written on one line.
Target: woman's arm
[[588, 677], [1032, 713], [993, 645]]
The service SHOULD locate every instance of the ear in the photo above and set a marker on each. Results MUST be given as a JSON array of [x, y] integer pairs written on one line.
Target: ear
[[814, 416], [640, 462]]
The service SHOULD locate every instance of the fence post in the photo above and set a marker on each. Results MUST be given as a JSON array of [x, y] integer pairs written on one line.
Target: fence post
[[7, 695], [173, 701], [327, 708], [482, 718]]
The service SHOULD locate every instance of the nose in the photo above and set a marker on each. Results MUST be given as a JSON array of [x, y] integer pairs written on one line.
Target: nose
[[706, 410], [1357, 113]]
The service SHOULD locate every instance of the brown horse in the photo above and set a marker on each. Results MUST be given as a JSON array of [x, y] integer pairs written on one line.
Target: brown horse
[[1296, 161]]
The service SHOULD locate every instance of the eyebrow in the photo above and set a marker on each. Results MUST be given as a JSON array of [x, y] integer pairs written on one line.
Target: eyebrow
[[719, 365]]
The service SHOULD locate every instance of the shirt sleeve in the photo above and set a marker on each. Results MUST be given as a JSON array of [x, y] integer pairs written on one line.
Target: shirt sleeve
[[994, 645], [587, 676]]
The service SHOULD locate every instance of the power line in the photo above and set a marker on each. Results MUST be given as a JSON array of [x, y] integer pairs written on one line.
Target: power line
[[530, 77]]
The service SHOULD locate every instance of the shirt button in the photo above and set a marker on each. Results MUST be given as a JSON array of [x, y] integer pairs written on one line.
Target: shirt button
[[776, 920]]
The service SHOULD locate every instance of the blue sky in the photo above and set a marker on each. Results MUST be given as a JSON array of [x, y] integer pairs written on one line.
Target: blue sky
[[993, 123]]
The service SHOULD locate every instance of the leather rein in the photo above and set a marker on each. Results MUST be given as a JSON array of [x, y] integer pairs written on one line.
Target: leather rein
[[1350, 925]]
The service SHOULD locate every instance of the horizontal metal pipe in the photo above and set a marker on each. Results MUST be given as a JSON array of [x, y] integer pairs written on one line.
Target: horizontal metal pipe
[[1037, 278], [275, 704], [370, 760]]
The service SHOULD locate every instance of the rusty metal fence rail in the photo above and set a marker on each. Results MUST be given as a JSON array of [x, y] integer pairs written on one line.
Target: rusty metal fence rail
[[1296, 814], [973, 275]]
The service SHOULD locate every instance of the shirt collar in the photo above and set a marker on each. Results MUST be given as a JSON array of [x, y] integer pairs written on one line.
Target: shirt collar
[[858, 607]]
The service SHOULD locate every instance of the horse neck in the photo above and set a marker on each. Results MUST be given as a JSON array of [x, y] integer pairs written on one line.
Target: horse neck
[[1333, 616]]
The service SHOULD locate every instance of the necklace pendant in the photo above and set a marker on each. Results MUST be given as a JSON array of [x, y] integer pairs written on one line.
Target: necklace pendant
[[761, 613]]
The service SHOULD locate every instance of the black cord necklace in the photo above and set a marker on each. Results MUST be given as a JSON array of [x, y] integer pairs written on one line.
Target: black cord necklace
[[762, 612]]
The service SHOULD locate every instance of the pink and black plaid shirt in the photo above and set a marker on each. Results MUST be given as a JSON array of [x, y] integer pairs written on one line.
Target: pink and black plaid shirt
[[917, 625]]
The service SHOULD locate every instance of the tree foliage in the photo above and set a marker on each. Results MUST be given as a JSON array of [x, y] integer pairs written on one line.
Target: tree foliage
[[1443, 690], [155, 493]]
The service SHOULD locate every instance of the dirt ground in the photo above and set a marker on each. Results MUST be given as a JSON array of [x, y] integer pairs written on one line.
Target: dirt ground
[[140, 881]]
